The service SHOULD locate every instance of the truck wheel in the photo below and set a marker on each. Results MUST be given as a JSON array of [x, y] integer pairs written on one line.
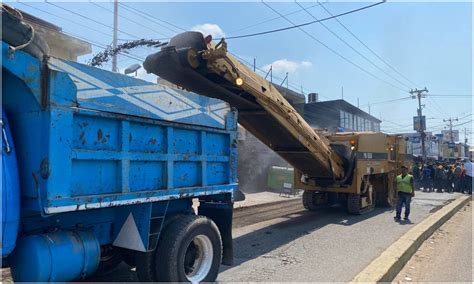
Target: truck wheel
[[382, 192], [354, 203], [110, 258], [189, 250], [129, 257], [313, 200]]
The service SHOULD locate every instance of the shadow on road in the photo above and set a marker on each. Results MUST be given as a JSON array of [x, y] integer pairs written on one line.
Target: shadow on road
[[298, 224], [265, 240]]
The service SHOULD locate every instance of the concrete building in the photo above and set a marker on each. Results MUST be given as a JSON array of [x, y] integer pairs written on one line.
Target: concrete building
[[435, 146], [338, 116]]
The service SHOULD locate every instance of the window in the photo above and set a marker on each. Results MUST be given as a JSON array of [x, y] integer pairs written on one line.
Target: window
[[351, 117], [346, 120]]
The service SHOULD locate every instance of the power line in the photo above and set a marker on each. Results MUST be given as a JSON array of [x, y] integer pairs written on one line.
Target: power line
[[90, 19], [104, 46], [351, 47], [334, 51], [65, 19], [450, 96], [437, 106], [399, 125], [130, 20], [388, 101], [152, 18], [246, 62], [273, 19], [366, 46], [99, 45], [469, 115], [305, 24]]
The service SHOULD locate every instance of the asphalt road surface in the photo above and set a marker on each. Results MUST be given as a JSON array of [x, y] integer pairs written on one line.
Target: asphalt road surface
[[329, 245], [446, 256], [284, 242]]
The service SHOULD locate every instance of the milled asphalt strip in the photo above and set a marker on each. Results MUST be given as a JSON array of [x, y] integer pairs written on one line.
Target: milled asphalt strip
[[385, 267]]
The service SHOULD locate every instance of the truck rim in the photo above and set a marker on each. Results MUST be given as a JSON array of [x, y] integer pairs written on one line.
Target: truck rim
[[198, 258]]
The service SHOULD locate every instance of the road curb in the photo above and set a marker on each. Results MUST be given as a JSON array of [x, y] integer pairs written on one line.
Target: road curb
[[385, 267]]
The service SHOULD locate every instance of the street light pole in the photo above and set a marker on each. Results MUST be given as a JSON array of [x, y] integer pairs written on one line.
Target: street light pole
[[114, 39], [419, 94]]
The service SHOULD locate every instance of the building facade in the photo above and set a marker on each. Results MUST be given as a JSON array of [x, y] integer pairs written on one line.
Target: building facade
[[338, 116]]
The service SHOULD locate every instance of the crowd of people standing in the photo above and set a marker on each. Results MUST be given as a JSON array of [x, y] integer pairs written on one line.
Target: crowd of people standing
[[443, 176]]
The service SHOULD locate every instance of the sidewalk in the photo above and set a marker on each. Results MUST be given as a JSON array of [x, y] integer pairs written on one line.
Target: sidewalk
[[450, 244], [253, 199]]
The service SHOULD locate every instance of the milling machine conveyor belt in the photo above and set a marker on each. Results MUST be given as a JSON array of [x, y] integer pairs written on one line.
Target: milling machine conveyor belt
[[196, 64]]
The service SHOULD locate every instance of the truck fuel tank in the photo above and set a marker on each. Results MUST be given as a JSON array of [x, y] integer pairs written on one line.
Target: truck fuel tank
[[58, 256]]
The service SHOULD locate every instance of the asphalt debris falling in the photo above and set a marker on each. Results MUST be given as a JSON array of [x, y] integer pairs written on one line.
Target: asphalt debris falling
[[105, 55]]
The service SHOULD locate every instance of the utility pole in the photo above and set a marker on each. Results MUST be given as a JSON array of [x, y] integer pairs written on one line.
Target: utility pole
[[114, 39], [451, 138], [342, 92], [450, 120], [465, 135], [419, 94], [254, 64]]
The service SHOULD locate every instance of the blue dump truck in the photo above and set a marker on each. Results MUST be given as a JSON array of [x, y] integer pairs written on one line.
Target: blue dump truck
[[99, 168]]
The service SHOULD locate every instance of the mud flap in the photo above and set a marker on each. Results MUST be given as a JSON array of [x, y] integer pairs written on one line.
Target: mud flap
[[239, 195], [221, 214]]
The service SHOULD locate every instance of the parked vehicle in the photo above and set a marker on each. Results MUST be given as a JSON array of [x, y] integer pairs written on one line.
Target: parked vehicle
[[100, 167]]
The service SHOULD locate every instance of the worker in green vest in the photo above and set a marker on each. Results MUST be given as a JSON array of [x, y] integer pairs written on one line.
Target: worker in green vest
[[405, 191]]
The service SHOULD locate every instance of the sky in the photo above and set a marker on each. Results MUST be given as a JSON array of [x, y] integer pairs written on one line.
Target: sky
[[426, 44]]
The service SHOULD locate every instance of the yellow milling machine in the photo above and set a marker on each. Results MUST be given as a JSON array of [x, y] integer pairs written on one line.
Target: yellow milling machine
[[357, 169]]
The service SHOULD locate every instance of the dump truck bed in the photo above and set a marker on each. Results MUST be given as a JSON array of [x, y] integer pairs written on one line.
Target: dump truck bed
[[262, 109], [88, 138]]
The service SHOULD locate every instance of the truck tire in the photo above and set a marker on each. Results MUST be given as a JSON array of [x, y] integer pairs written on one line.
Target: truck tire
[[353, 204], [313, 200], [382, 197], [189, 250], [129, 257], [145, 262], [110, 258]]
